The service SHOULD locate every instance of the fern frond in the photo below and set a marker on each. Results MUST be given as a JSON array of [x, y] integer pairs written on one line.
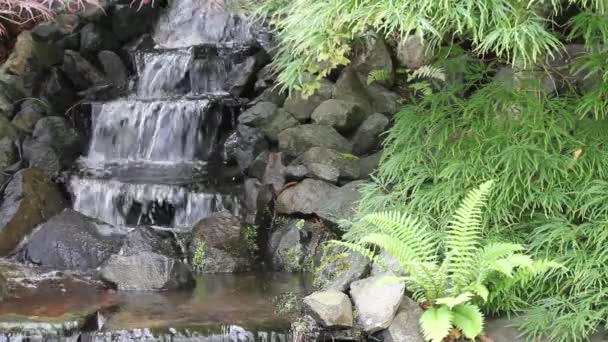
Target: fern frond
[[428, 71], [436, 323], [464, 237], [468, 318], [379, 75]]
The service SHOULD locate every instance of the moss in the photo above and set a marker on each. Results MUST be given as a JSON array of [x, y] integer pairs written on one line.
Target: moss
[[198, 261], [246, 244]]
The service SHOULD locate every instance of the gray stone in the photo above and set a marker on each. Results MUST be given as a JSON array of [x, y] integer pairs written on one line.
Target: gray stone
[[146, 271], [346, 164], [264, 79], [253, 188], [257, 168], [57, 90], [292, 245], [26, 118], [242, 75], [342, 115], [295, 172], [374, 56], [412, 53], [297, 140], [95, 38], [376, 303], [369, 135], [8, 153], [258, 115], [9, 95], [273, 95], [41, 156], [72, 241], [29, 55], [390, 265], [280, 121], [340, 204], [219, 261], [323, 172], [56, 132], [383, 100], [146, 239], [301, 108], [406, 325], [274, 174], [29, 199], [129, 22], [350, 88], [369, 164], [113, 68], [330, 308], [303, 198], [338, 269], [7, 130], [81, 72], [251, 143]]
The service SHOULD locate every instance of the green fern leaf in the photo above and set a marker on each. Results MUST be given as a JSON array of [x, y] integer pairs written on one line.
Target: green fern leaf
[[451, 302], [436, 323], [468, 318], [480, 290]]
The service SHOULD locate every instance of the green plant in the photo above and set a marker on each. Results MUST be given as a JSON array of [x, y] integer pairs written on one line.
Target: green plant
[[198, 261], [447, 276]]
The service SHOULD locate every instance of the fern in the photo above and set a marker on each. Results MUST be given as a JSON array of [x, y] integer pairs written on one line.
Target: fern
[[451, 284]]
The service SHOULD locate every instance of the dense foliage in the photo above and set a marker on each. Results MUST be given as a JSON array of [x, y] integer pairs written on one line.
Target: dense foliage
[[545, 148], [450, 273]]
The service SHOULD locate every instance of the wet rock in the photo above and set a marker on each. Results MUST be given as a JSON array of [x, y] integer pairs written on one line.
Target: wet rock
[[56, 132], [252, 194], [346, 164], [376, 304], [350, 88], [7, 129], [323, 172], [241, 77], [383, 100], [274, 174], [95, 38], [81, 72], [58, 90], [338, 269], [258, 166], [369, 164], [330, 308], [258, 115], [145, 239], [273, 95], [113, 67], [9, 95], [340, 204], [375, 56], [264, 79], [369, 135], [301, 108], [146, 271], [30, 113], [342, 115], [69, 42], [29, 55], [72, 241], [8, 153], [42, 157], [29, 199], [129, 22], [297, 140], [220, 243], [412, 53], [292, 245], [251, 143], [279, 121], [303, 198], [62, 24], [405, 327]]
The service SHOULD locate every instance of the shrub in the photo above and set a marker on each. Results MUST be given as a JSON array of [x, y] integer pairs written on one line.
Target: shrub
[[447, 276]]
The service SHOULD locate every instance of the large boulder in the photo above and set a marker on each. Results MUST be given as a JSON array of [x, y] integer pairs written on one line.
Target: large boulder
[[258, 115], [369, 164], [369, 135], [383, 100], [302, 107], [372, 57], [412, 52], [304, 197], [29, 55], [113, 68], [376, 302], [293, 244], [29, 199], [330, 308], [58, 90], [146, 271], [280, 121], [72, 241], [338, 269], [220, 244], [31, 111], [342, 115], [56, 132], [250, 143], [242, 76], [145, 239], [80, 71], [297, 140], [42, 157], [339, 204], [405, 327], [95, 38], [346, 164], [350, 88]]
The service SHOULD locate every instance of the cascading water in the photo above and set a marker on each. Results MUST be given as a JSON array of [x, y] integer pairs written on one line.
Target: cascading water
[[148, 158]]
